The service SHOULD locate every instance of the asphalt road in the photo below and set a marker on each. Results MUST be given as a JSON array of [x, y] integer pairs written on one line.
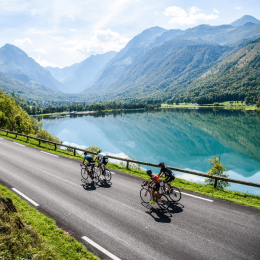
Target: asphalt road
[[114, 217]]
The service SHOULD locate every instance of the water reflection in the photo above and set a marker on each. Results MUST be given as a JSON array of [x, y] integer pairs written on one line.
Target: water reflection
[[184, 138]]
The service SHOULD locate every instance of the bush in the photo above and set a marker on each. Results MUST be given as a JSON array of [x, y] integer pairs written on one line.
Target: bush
[[45, 135], [217, 169]]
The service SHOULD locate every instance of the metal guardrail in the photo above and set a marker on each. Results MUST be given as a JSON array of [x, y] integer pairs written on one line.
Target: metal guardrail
[[216, 178]]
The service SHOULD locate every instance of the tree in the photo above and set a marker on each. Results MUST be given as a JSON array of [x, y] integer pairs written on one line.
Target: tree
[[217, 169], [258, 103]]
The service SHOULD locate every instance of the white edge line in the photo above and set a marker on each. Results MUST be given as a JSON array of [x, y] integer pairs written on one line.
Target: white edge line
[[1, 138], [196, 197], [19, 143], [27, 198], [103, 250], [50, 154]]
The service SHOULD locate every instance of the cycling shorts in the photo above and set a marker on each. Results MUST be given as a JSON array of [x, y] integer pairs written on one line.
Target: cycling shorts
[[169, 179], [156, 186]]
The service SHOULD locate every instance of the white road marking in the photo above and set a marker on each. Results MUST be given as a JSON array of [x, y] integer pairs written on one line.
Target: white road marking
[[19, 144], [1, 138], [27, 198], [196, 197], [50, 154], [103, 250]]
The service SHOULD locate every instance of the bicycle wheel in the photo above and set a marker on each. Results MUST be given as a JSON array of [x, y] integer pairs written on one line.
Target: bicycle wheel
[[145, 195], [174, 193], [84, 174], [94, 176], [163, 202], [107, 175]]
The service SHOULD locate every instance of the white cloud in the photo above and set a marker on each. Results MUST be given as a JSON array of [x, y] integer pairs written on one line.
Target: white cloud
[[41, 51], [23, 41], [73, 30], [239, 7], [216, 11], [100, 42], [45, 63], [194, 16]]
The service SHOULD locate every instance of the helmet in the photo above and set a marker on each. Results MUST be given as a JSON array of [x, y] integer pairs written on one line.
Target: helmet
[[85, 153], [161, 164], [149, 172]]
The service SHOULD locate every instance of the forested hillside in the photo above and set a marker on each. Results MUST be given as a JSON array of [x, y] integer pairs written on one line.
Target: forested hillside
[[14, 118], [163, 69], [237, 78]]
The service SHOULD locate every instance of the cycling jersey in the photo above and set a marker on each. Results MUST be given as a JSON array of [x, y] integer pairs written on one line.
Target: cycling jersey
[[88, 158], [167, 172], [102, 158]]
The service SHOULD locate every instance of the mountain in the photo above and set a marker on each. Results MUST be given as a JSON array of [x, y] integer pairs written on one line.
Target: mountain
[[160, 71], [17, 64], [132, 53], [81, 75], [222, 34], [245, 19], [236, 78], [33, 90]]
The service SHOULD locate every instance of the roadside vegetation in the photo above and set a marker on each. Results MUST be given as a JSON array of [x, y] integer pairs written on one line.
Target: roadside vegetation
[[25, 233], [231, 105]]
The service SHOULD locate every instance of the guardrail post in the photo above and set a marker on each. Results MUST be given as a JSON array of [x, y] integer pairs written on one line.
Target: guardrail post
[[74, 151], [39, 142], [55, 146], [16, 136], [127, 164], [215, 183], [27, 138]]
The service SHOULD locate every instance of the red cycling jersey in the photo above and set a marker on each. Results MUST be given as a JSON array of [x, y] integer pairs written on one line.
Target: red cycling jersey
[[157, 178]]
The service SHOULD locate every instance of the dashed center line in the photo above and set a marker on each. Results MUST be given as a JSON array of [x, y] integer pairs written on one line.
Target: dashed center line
[[50, 154], [100, 248], [19, 144], [27, 198], [196, 197]]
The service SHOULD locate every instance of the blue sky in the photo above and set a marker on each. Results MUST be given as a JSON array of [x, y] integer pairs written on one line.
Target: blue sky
[[63, 32]]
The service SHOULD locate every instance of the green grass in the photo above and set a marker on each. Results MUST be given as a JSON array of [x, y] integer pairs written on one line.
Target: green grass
[[224, 194], [227, 105], [39, 238]]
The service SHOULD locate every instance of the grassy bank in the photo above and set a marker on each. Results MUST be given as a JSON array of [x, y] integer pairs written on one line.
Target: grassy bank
[[225, 105], [233, 196], [28, 234]]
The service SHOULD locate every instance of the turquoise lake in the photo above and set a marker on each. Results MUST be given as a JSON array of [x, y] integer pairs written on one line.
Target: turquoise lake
[[182, 138]]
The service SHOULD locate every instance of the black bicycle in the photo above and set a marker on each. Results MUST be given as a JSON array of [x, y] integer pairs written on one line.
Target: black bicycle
[[160, 199], [173, 192], [88, 172]]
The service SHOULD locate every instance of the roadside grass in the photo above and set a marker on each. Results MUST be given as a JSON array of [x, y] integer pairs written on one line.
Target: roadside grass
[[209, 190], [37, 237], [227, 105]]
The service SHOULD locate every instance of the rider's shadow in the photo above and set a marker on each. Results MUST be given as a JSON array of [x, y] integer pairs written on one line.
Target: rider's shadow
[[104, 184], [88, 186], [159, 215], [175, 208]]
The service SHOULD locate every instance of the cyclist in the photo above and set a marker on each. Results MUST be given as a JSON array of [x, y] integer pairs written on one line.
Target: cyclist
[[156, 179], [89, 159], [102, 160], [170, 176]]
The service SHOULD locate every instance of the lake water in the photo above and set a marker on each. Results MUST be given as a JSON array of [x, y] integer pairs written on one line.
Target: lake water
[[182, 138]]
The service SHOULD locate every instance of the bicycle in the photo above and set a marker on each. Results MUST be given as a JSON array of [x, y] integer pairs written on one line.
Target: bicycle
[[173, 192], [103, 171], [86, 173], [161, 200]]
